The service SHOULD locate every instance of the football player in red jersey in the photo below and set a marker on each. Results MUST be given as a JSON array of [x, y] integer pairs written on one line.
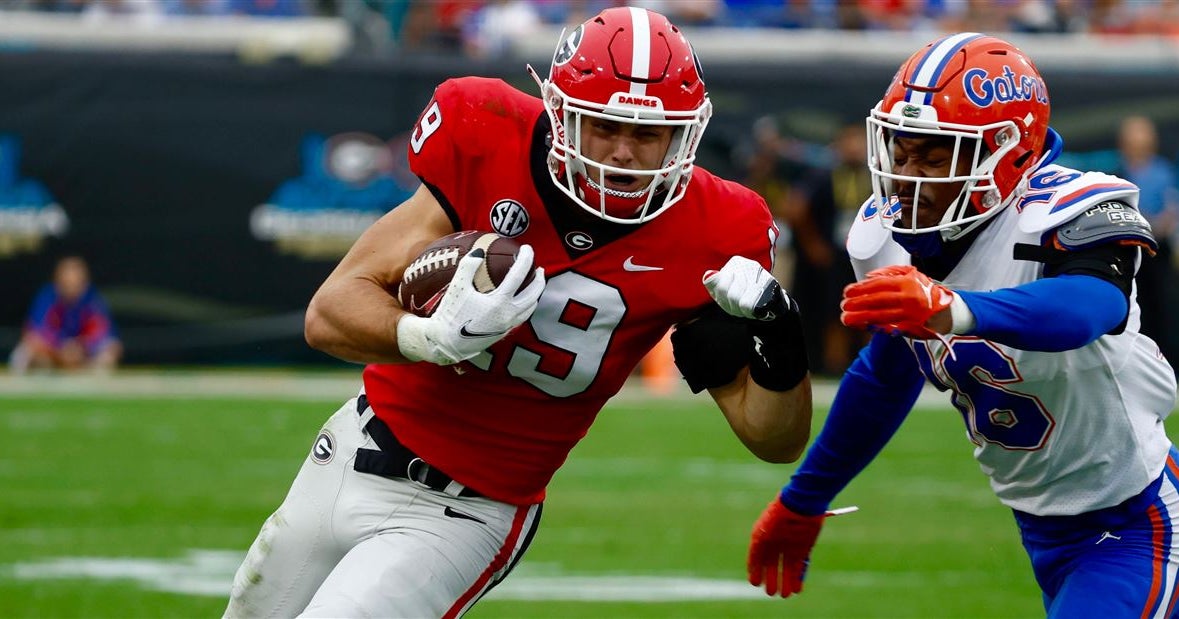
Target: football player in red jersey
[[423, 492]]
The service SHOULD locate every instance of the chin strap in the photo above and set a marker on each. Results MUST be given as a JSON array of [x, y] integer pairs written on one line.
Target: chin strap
[[924, 245]]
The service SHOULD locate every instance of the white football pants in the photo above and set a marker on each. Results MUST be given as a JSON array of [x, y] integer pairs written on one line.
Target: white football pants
[[349, 544]]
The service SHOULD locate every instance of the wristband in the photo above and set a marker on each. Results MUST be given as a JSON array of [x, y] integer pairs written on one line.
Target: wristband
[[711, 349], [411, 337], [962, 319], [777, 353]]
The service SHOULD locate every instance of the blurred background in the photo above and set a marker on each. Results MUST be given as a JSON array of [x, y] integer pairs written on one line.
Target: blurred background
[[212, 159]]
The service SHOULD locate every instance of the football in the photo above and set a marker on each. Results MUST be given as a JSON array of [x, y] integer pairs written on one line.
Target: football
[[427, 277]]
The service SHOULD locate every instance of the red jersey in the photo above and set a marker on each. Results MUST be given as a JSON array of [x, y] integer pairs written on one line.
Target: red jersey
[[504, 422]]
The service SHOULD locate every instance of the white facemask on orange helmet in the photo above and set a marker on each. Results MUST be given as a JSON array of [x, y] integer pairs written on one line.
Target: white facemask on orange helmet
[[987, 96]]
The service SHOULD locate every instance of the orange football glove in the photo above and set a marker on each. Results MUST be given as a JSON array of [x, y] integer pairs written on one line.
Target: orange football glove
[[780, 548], [898, 300]]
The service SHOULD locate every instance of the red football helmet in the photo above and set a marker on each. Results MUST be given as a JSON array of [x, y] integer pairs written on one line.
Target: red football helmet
[[627, 65], [985, 94]]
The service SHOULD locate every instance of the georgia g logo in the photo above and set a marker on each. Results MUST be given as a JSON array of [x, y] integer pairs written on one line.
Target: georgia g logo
[[324, 447], [568, 47], [579, 240]]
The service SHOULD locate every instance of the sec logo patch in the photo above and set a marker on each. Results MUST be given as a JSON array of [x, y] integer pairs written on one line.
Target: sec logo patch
[[324, 447], [509, 218]]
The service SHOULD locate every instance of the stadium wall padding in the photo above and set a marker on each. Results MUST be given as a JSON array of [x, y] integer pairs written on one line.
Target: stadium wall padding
[[211, 197]]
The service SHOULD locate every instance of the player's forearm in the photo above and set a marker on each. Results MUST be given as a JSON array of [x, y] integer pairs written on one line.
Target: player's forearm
[[1051, 314], [773, 425], [355, 320], [778, 422], [874, 397]]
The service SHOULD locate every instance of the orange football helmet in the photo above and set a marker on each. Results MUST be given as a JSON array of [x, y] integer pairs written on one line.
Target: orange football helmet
[[987, 96]]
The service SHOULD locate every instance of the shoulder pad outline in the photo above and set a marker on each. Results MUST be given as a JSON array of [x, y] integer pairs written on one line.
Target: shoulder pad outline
[[1109, 221], [867, 235], [1057, 195]]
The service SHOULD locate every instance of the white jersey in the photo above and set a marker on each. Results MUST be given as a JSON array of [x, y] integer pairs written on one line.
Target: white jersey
[[1057, 433]]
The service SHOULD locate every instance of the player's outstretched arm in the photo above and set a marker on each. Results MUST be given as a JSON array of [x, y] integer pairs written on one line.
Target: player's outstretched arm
[[876, 393], [774, 425], [354, 314], [751, 357]]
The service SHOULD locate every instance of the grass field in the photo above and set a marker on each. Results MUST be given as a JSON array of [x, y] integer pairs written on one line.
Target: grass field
[[112, 504]]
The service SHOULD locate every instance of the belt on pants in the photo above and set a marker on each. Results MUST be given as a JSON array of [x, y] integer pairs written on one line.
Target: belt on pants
[[396, 460]]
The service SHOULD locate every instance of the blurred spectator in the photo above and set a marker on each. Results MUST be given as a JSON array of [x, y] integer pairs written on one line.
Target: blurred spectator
[[827, 203], [485, 27], [1037, 16], [687, 12], [269, 8], [766, 14], [437, 25], [69, 326], [555, 12], [196, 7], [140, 11], [493, 28], [1158, 200], [767, 173], [1151, 17]]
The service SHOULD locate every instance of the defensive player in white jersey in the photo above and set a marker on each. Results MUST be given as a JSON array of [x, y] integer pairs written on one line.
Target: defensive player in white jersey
[[1009, 281], [422, 493]]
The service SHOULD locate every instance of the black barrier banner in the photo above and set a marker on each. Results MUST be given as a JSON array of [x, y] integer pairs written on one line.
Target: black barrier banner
[[212, 197]]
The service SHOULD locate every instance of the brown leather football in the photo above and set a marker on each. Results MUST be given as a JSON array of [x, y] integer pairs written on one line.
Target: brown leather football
[[427, 277]]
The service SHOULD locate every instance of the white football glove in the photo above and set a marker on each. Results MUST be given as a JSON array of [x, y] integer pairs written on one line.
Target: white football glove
[[744, 289], [467, 321]]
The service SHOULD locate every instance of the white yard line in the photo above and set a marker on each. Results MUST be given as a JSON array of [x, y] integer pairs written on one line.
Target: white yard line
[[210, 573]]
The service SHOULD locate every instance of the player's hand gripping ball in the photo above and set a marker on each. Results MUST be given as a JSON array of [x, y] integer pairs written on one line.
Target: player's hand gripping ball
[[464, 293], [428, 276]]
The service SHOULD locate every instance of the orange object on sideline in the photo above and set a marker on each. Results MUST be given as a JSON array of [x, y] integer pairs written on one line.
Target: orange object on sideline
[[658, 370]]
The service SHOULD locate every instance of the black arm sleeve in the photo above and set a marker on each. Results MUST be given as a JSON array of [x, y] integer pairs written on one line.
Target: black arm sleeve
[[1112, 262], [710, 350]]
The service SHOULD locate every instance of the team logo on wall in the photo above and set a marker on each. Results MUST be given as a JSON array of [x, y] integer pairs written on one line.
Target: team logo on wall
[[509, 218], [28, 213], [348, 181], [324, 448]]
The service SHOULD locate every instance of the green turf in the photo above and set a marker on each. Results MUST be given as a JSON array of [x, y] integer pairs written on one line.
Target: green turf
[[660, 489]]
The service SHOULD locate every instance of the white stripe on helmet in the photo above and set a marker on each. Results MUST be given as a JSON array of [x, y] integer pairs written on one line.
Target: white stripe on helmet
[[641, 50], [930, 69]]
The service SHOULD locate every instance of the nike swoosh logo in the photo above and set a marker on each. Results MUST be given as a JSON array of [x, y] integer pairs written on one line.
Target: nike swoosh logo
[[629, 265], [429, 305], [757, 345], [928, 290], [463, 331], [451, 513]]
